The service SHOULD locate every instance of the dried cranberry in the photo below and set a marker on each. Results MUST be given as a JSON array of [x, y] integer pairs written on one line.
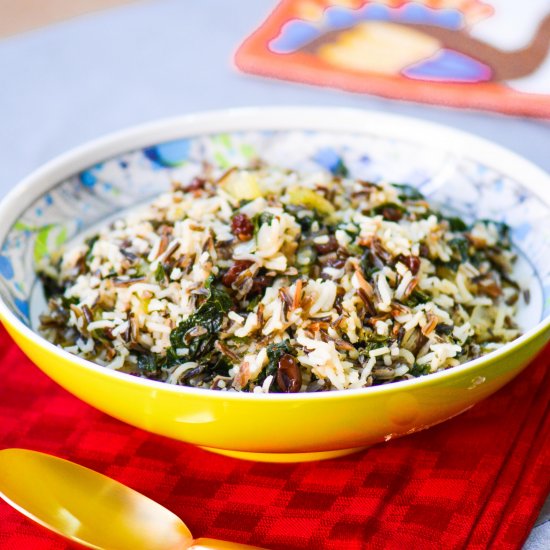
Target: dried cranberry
[[242, 227], [327, 248], [392, 214], [195, 184], [234, 271], [289, 377], [260, 283]]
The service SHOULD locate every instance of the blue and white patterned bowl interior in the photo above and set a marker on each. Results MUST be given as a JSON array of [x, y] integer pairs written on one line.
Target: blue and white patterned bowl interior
[[461, 185]]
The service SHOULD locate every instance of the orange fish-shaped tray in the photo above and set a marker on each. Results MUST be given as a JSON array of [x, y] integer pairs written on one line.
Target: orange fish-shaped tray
[[464, 53]]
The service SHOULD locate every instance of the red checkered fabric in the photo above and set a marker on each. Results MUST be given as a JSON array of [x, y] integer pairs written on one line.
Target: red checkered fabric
[[477, 481]]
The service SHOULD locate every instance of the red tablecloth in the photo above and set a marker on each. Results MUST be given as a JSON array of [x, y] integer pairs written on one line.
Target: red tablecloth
[[477, 481]]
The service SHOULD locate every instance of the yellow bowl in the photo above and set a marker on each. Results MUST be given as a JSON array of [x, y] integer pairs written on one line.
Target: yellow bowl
[[79, 189]]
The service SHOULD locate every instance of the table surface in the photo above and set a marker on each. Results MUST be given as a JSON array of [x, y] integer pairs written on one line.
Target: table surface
[[76, 80]]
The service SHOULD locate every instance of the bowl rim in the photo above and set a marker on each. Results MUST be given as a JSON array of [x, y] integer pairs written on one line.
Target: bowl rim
[[329, 119]]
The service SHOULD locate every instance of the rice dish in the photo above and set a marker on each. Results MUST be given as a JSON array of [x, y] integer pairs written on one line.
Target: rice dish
[[268, 280]]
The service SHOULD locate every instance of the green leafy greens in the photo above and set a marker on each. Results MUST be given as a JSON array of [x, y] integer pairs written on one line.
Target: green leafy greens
[[209, 316], [408, 192], [274, 354]]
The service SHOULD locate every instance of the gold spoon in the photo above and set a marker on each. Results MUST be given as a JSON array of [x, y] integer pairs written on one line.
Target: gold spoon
[[92, 509]]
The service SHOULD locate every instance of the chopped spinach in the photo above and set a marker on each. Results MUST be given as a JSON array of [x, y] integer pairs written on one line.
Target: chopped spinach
[[408, 192], [90, 244], [206, 372], [147, 365], [221, 366], [375, 341], [139, 270], [254, 302], [306, 222], [417, 297], [274, 354], [443, 328], [100, 336], [460, 247], [419, 370], [455, 223], [260, 219], [160, 273], [340, 169], [370, 263], [210, 317], [275, 351], [51, 286], [157, 224], [350, 228], [503, 231], [68, 301]]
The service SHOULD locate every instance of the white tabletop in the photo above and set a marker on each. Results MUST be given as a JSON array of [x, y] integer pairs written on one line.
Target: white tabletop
[[77, 80]]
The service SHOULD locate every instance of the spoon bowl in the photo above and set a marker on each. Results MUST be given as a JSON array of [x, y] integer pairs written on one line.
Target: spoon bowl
[[90, 508]]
